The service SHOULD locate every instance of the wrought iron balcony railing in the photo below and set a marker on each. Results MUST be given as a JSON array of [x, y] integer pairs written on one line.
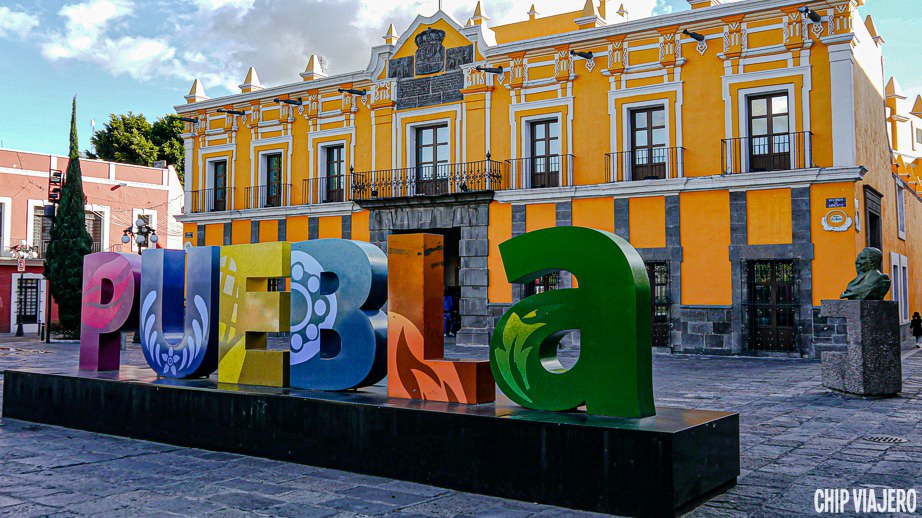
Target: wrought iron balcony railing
[[645, 164], [541, 171], [326, 189], [212, 200], [271, 195], [444, 179], [778, 152]]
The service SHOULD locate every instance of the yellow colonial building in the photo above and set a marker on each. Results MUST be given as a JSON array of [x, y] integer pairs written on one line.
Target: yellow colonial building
[[744, 149]]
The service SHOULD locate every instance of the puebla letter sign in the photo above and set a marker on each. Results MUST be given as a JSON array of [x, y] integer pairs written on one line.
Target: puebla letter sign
[[212, 309]]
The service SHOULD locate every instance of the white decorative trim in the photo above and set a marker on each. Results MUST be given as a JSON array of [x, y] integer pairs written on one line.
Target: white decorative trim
[[14, 301], [842, 97], [6, 221], [267, 213], [675, 186]]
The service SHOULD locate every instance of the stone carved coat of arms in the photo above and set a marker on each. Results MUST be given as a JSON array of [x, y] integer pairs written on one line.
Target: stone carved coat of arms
[[430, 53]]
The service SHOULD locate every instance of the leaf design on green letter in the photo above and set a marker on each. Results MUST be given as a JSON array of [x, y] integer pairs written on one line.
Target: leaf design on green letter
[[515, 336]]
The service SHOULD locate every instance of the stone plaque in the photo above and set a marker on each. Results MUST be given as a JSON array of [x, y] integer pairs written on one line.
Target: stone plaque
[[400, 68], [455, 57], [430, 53]]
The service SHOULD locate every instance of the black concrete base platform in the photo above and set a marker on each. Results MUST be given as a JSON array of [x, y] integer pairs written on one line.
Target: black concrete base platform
[[659, 466]]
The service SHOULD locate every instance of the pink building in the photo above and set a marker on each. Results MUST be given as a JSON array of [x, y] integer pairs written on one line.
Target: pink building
[[116, 194]]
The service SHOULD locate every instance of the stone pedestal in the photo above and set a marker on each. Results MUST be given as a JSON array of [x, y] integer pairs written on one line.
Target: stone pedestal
[[871, 366]]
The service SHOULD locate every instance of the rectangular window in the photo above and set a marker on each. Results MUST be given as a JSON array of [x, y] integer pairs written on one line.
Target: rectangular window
[[872, 203], [899, 283], [94, 222], [273, 180], [334, 165], [41, 229], [545, 159], [900, 210], [219, 194], [432, 155], [769, 133], [648, 143], [919, 135], [3, 238], [28, 297], [658, 274]]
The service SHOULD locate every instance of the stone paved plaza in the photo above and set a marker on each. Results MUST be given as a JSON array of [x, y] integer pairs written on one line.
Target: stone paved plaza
[[796, 437]]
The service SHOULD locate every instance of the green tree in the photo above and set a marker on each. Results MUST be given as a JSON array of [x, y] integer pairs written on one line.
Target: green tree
[[69, 241], [131, 139], [166, 134]]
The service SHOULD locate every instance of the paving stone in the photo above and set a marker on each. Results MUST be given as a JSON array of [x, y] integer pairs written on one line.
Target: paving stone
[[796, 437], [383, 496], [245, 501]]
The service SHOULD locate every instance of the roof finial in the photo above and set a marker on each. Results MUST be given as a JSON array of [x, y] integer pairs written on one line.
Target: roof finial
[[532, 13], [196, 93], [479, 17], [391, 37], [622, 12], [251, 83], [314, 69]]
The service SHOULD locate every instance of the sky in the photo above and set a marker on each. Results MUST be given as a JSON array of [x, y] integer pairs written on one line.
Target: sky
[[142, 55]]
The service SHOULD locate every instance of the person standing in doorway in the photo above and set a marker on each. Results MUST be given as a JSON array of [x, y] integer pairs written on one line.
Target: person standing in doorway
[[448, 304], [916, 325]]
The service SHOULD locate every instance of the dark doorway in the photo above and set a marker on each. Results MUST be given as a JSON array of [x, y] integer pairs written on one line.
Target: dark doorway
[[772, 306], [452, 243], [29, 300], [659, 296]]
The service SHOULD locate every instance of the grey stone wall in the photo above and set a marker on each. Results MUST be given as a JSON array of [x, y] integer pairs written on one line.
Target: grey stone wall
[[472, 219], [829, 333], [706, 330]]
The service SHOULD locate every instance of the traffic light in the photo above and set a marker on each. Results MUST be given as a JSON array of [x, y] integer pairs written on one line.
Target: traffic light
[[55, 181]]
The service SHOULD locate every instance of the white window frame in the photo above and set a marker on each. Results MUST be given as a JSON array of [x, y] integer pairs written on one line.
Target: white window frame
[[743, 95], [526, 123], [105, 245], [410, 129], [900, 210], [322, 167], [14, 301], [30, 221], [6, 220], [899, 279], [626, 110], [264, 173]]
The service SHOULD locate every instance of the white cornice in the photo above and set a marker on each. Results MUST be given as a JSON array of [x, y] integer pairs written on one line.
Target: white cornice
[[266, 213], [675, 186]]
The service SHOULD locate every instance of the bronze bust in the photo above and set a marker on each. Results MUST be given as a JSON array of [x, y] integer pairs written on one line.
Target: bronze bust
[[870, 284]]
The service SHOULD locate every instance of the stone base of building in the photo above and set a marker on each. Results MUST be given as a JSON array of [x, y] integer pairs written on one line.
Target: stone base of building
[[871, 365], [656, 466]]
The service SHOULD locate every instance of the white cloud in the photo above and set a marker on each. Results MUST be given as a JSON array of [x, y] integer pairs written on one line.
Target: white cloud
[[16, 23], [217, 40], [214, 5], [85, 25]]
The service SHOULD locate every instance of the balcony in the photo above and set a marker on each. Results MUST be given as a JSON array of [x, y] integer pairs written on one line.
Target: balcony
[[444, 179], [327, 189], [645, 164], [541, 171], [777, 152], [211, 200], [272, 195]]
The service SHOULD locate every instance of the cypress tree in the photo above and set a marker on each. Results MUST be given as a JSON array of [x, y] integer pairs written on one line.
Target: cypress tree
[[70, 241]]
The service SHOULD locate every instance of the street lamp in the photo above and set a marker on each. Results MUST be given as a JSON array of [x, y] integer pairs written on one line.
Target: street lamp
[[22, 251], [144, 235]]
